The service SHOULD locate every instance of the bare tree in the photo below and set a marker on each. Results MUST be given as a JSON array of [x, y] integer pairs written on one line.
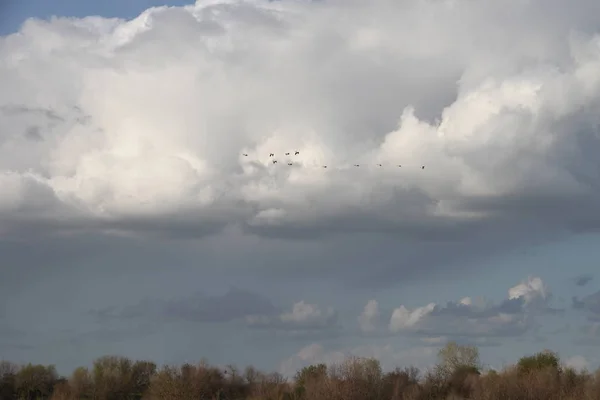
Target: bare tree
[[454, 356]]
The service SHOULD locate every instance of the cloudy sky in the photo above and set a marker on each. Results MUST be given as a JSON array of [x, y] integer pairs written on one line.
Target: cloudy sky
[[131, 222]]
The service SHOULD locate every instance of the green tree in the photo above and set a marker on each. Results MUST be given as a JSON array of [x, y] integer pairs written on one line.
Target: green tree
[[543, 360], [312, 372], [35, 381]]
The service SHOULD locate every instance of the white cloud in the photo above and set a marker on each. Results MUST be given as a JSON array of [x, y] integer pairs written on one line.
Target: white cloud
[[479, 318], [302, 316], [141, 124], [368, 319], [577, 362], [389, 357], [530, 291], [403, 318], [434, 340]]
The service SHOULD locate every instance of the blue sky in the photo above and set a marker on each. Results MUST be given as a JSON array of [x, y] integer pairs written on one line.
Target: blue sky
[[132, 222], [15, 12]]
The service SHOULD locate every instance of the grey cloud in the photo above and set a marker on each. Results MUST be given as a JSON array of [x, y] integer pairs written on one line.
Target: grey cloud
[[583, 280], [477, 318], [7, 331], [589, 304], [492, 327], [15, 109], [110, 334], [234, 304], [437, 341], [303, 317], [589, 335], [12, 338], [143, 123], [416, 120], [33, 133]]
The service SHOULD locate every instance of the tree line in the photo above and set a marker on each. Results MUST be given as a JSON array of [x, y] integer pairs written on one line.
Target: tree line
[[458, 374]]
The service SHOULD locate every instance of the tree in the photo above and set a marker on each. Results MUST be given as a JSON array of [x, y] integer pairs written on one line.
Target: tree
[[543, 360], [309, 377], [312, 372], [453, 357], [8, 373], [141, 376], [35, 381], [112, 377], [81, 383]]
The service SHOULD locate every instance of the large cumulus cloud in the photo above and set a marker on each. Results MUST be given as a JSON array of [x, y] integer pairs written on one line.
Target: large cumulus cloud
[[125, 126]]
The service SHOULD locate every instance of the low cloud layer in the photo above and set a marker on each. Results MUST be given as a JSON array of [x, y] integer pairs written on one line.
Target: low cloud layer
[[140, 126], [233, 305], [389, 357], [369, 318], [303, 316], [590, 304], [468, 318], [583, 280], [577, 362]]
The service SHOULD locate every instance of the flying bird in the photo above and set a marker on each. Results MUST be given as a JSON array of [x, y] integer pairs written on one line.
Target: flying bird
[[357, 165], [245, 155], [289, 163], [422, 167], [274, 161], [399, 165], [271, 154], [287, 154], [296, 153], [379, 165], [324, 166]]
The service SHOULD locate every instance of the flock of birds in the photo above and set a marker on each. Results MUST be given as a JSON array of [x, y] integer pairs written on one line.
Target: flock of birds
[[274, 161]]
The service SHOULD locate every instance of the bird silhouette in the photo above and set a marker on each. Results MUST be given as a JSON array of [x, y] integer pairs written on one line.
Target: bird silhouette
[[271, 154], [296, 153]]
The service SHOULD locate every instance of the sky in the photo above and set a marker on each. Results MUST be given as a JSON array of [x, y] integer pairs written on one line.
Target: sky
[[141, 213]]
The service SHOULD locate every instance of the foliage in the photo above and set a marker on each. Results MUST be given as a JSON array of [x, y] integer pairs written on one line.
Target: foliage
[[457, 376], [540, 361], [454, 356]]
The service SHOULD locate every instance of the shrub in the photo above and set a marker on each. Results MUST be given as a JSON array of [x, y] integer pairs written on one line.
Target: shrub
[[535, 377], [537, 362]]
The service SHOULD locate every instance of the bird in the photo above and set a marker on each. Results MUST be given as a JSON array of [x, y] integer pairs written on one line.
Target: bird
[[324, 166], [296, 153], [287, 154], [379, 165], [356, 165], [271, 154], [399, 165], [274, 161], [422, 167], [289, 163], [245, 155]]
